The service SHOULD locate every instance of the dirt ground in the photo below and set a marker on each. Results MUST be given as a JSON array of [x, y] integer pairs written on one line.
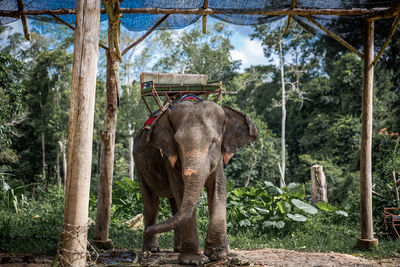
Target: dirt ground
[[260, 257]]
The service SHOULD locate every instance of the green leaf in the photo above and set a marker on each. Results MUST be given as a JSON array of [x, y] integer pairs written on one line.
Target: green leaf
[[296, 190], [274, 191], [239, 191], [245, 222], [304, 206], [268, 223], [342, 213], [261, 211], [280, 224], [284, 207], [297, 217], [326, 206]]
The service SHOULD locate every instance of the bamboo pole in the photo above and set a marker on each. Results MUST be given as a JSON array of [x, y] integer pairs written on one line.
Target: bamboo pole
[[367, 240], [336, 37], [378, 13], [80, 133], [390, 35]]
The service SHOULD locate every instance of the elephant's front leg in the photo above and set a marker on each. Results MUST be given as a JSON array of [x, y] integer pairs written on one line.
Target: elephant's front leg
[[150, 210], [190, 250], [177, 231], [216, 247]]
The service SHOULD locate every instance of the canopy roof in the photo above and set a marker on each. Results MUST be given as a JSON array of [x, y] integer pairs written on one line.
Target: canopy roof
[[143, 14], [139, 15]]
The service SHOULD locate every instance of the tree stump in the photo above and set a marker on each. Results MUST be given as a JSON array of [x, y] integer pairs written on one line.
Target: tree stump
[[318, 184]]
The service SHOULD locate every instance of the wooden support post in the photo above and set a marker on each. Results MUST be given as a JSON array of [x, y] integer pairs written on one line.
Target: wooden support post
[[367, 240], [318, 184], [205, 6], [103, 216], [80, 133]]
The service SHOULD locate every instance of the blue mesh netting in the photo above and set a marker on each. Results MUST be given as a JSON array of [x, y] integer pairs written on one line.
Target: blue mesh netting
[[140, 22]]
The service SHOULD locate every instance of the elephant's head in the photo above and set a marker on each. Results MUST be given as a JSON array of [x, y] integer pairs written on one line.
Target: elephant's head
[[200, 136]]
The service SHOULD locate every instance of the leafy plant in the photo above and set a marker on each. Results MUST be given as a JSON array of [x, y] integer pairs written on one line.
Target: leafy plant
[[266, 207]]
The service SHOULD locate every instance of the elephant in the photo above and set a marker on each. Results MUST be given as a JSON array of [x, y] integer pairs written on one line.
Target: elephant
[[184, 151]]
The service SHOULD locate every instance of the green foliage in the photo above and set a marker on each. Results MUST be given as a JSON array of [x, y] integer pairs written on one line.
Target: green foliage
[[11, 111], [195, 52], [387, 164], [126, 197], [267, 208], [35, 228]]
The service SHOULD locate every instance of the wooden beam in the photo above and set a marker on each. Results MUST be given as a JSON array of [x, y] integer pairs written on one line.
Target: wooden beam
[[205, 6], [80, 133], [367, 240], [336, 37], [73, 28], [289, 18], [381, 12], [23, 19], [63, 22], [145, 35], [390, 35], [389, 13]]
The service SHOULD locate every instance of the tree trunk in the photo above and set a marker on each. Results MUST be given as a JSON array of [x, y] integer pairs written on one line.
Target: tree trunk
[[108, 133], [80, 133], [318, 184], [62, 144], [44, 180], [396, 190], [283, 141], [131, 161], [58, 171]]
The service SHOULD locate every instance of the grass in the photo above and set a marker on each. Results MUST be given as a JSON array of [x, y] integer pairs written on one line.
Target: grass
[[35, 230]]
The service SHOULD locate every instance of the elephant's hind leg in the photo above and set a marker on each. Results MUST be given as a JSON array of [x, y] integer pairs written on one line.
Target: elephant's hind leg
[[150, 206]]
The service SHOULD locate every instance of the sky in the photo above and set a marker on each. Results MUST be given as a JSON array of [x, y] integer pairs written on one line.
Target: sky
[[249, 51]]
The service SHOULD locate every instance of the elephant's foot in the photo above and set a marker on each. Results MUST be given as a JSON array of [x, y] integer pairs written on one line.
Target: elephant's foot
[[192, 258], [217, 253], [150, 244], [177, 248]]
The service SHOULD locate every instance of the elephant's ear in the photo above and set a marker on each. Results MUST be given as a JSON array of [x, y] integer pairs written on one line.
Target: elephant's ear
[[239, 131], [161, 136]]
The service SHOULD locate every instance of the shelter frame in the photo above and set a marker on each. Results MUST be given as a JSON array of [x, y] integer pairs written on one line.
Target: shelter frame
[[367, 239]]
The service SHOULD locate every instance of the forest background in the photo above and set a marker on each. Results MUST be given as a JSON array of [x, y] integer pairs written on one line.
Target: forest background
[[323, 84]]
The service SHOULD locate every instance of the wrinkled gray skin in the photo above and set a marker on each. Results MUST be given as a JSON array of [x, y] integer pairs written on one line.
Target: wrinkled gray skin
[[182, 153]]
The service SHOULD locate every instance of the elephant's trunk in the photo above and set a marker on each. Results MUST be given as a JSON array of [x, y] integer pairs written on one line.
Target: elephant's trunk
[[194, 176]]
